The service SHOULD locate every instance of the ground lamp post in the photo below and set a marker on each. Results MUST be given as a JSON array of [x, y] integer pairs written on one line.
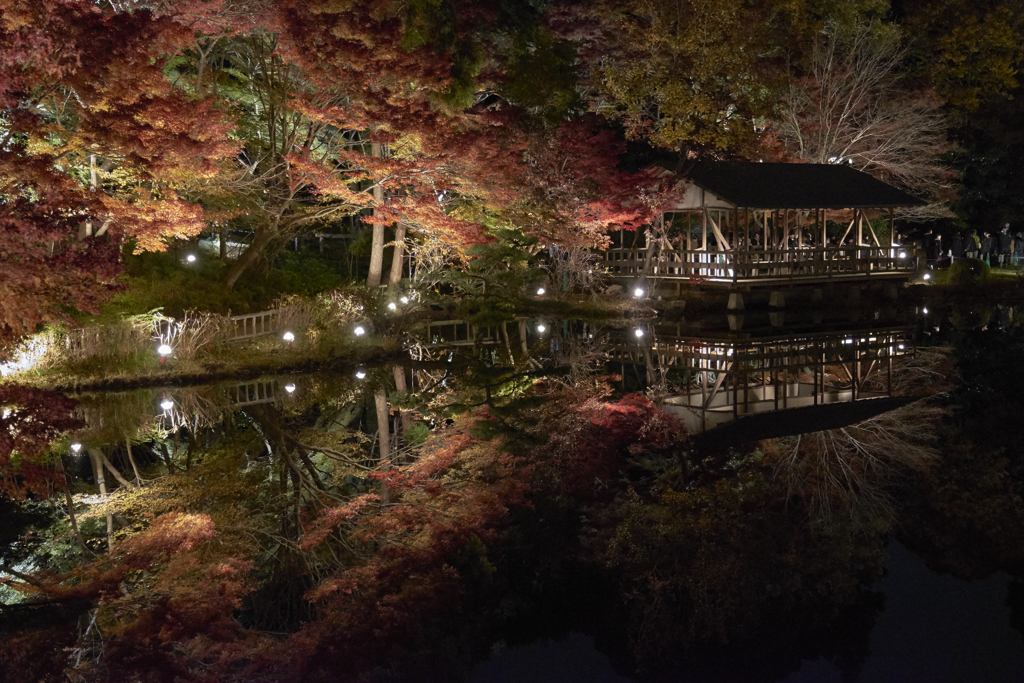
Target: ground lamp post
[[289, 337], [164, 350]]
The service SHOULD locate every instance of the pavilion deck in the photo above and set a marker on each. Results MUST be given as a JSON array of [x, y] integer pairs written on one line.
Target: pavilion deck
[[763, 266], [741, 223]]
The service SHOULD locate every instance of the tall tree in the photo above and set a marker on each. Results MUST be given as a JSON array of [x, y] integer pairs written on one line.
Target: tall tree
[[691, 76], [93, 139], [855, 106]]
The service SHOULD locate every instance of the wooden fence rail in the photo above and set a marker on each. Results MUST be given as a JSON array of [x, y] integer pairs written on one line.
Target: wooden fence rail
[[765, 265], [252, 325]]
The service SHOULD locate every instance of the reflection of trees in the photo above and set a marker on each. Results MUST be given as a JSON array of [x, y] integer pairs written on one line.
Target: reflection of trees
[[853, 470], [726, 560], [966, 514]]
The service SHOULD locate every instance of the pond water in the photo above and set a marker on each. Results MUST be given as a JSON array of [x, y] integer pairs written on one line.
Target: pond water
[[933, 627], [846, 507]]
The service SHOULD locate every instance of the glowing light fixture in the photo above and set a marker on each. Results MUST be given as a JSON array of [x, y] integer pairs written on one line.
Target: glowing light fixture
[[164, 350], [289, 388], [360, 374], [404, 299], [903, 254], [167, 404], [927, 276], [540, 291], [926, 311], [288, 337], [191, 258], [359, 331], [638, 292], [76, 447], [541, 328], [638, 332], [392, 306]]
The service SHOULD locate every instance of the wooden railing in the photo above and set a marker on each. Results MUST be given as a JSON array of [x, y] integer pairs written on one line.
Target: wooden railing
[[252, 393], [457, 333], [764, 264], [251, 325]]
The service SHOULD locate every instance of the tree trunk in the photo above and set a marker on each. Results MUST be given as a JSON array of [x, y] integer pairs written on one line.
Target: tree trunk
[[249, 256], [405, 416], [377, 250], [398, 257], [97, 467], [131, 459], [384, 436], [71, 508], [224, 243], [113, 470]]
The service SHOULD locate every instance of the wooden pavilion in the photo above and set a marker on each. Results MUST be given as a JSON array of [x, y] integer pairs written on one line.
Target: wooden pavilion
[[746, 223], [720, 376]]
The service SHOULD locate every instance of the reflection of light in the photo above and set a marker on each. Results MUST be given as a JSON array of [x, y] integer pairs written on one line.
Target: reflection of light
[[927, 276], [847, 341], [76, 447], [163, 350], [360, 374], [541, 328], [289, 388], [289, 337], [191, 258], [638, 292], [540, 291], [167, 404], [404, 299], [901, 347], [638, 332], [27, 356], [359, 331]]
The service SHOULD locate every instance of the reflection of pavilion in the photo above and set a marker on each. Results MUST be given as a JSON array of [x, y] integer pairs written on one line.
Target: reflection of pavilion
[[725, 376], [743, 224]]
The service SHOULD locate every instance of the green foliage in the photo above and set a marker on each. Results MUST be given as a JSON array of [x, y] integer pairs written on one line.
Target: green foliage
[[971, 50], [968, 272], [162, 280], [498, 276], [543, 76], [416, 434]]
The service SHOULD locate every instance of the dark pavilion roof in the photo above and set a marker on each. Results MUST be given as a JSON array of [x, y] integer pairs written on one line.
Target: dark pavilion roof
[[757, 185]]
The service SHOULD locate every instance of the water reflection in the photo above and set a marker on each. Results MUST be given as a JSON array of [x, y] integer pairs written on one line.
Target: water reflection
[[517, 481]]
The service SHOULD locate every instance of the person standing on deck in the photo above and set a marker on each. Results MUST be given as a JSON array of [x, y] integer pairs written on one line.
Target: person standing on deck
[[1005, 245], [973, 244], [986, 248], [957, 249]]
